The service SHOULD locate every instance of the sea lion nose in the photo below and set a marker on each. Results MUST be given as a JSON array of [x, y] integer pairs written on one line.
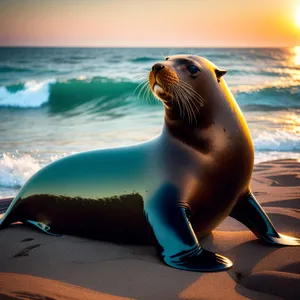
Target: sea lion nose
[[157, 67]]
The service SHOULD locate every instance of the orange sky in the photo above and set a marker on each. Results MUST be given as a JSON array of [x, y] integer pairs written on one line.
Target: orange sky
[[141, 23]]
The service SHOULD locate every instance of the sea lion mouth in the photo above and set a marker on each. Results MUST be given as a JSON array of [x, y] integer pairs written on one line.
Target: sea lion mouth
[[158, 89]]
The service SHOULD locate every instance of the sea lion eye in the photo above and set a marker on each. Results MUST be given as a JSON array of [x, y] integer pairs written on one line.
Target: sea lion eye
[[193, 69], [167, 58]]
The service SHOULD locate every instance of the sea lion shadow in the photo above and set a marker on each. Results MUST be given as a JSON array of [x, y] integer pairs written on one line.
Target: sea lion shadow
[[249, 255], [291, 268], [245, 257], [147, 277], [289, 203]]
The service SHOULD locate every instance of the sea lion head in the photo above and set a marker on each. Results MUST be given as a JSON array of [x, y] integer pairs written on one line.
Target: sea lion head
[[185, 84]]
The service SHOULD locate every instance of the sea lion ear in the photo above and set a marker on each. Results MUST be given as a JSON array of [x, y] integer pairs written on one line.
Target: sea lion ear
[[220, 73]]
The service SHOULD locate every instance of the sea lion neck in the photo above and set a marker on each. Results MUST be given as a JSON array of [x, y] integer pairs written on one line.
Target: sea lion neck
[[189, 134], [176, 116]]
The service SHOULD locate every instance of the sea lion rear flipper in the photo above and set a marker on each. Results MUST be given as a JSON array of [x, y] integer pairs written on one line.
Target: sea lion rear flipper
[[176, 241], [249, 212], [43, 227]]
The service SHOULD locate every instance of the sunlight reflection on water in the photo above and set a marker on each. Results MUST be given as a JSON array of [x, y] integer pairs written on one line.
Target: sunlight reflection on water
[[297, 55]]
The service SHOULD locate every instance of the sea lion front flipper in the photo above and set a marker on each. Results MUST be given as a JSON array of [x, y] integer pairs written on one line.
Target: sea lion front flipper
[[43, 227], [249, 212], [176, 242]]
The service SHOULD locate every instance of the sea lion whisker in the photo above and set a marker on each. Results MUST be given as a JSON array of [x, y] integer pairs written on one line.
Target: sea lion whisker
[[148, 94], [194, 97], [177, 98], [187, 96], [144, 96], [180, 108], [189, 87], [140, 80], [170, 51], [180, 95], [142, 93], [191, 109], [140, 85], [194, 93], [187, 104], [140, 76], [174, 94], [145, 93], [190, 98], [151, 96], [143, 88], [162, 55]]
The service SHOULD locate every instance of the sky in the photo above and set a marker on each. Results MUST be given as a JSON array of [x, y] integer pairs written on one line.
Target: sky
[[145, 23]]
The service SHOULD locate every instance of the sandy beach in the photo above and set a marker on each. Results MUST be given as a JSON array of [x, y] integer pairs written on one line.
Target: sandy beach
[[34, 265]]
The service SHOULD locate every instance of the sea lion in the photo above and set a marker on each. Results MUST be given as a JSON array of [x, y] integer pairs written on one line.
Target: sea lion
[[189, 178]]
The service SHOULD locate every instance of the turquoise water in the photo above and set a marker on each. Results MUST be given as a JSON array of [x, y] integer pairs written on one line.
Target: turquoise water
[[57, 101]]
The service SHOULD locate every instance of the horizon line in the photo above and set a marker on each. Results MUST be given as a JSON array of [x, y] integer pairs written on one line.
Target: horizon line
[[143, 47]]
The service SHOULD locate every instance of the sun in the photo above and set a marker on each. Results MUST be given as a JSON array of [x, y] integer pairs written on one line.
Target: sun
[[298, 16]]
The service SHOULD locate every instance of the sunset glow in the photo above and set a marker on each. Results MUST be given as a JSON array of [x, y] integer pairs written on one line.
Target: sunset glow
[[154, 23], [298, 16]]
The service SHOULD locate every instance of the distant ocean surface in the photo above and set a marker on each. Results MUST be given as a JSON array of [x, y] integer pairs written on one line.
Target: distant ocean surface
[[57, 101]]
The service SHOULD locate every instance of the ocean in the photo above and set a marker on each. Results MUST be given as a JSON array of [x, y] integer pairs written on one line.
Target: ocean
[[58, 101]]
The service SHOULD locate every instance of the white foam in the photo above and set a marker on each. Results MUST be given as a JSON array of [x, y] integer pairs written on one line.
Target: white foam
[[277, 141], [34, 95], [16, 170]]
